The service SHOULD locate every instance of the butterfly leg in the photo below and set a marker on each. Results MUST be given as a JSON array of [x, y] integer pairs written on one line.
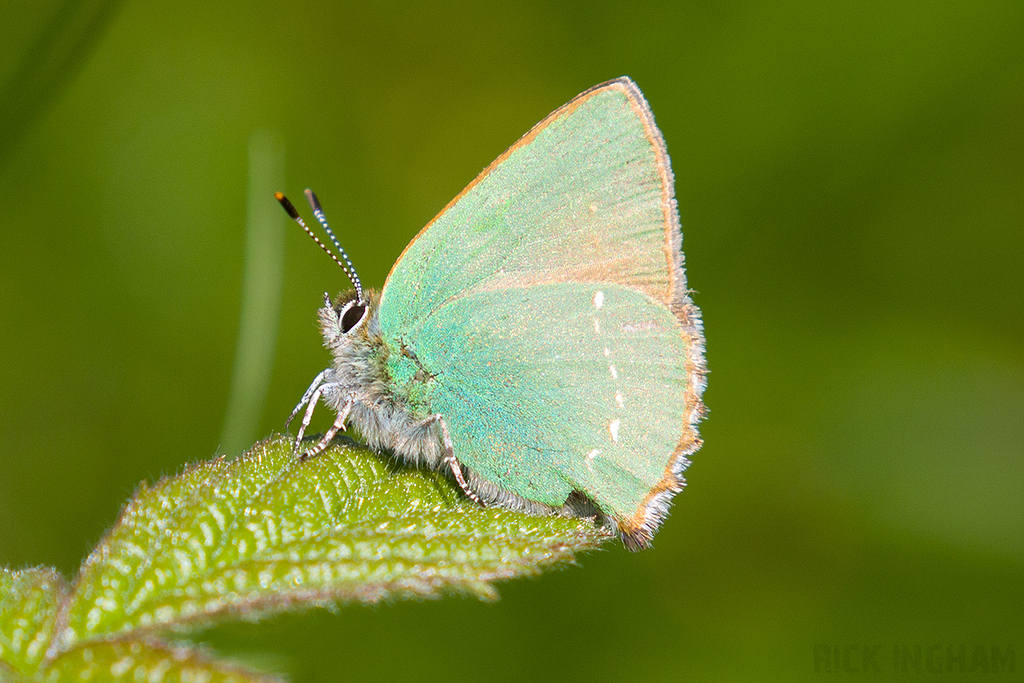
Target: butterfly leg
[[314, 397], [339, 424], [451, 461], [305, 398]]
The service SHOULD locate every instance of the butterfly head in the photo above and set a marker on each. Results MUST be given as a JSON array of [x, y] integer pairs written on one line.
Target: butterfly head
[[349, 318]]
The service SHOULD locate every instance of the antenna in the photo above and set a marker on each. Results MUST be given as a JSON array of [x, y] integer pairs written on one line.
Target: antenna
[[347, 266]]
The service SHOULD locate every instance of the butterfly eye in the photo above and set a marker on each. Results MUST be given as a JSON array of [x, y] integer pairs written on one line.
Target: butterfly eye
[[351, 316]]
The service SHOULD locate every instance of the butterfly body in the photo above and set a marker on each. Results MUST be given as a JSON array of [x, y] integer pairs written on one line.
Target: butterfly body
[[386, 414], [537, 337]]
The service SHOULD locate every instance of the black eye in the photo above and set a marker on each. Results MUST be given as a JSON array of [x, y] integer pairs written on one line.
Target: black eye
[[351, 317]]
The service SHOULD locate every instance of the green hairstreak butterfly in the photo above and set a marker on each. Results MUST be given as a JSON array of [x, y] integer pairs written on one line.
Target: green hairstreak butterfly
[[537, 338]]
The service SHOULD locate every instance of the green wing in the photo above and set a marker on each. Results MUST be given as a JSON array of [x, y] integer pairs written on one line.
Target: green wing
[[586, 196], [558, 387], [498, 297]]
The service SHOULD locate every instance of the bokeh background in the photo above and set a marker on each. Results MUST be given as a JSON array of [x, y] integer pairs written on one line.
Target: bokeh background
[[851, 184]]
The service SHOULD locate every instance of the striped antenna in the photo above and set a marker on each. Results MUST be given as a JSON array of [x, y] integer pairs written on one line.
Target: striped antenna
[[347, 266]]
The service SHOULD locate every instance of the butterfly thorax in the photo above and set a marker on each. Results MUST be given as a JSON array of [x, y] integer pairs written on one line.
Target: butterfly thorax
[[388, 387]]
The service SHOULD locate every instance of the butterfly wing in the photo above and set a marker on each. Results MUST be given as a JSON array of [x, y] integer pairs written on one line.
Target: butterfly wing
[[549, 305]]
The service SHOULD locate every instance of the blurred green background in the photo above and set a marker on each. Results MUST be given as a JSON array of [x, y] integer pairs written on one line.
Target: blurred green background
[[851, 185]]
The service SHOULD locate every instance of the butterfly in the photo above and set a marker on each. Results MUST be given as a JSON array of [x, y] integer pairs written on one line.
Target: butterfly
[[537, 338]]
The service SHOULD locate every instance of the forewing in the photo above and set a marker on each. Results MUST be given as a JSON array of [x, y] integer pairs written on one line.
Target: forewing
[[586, 196]]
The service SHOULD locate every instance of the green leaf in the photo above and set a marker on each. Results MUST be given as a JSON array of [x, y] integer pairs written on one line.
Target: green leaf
[[147, 659], [260, 534], [29, 604], [29, 600]]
